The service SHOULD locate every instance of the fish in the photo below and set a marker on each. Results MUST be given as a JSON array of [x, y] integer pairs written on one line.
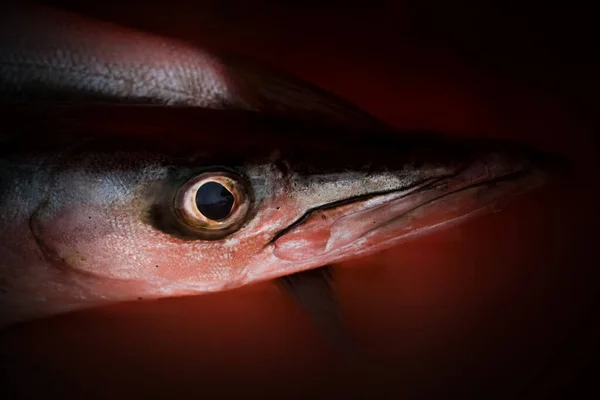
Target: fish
[[139, 201], [325, 180]]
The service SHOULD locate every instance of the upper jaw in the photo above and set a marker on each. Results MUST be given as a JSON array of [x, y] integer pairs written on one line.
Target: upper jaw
[[485, 183]]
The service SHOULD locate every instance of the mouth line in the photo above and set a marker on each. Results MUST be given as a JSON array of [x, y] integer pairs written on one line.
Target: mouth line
[[511, 176], [423, 185], [431, 183]]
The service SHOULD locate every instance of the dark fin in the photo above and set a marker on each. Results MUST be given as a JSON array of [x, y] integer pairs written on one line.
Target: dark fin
[[267, 89], [313, 290]]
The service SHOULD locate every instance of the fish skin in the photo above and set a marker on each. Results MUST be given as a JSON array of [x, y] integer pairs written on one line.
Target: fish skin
[[51, 54], [78, 228]]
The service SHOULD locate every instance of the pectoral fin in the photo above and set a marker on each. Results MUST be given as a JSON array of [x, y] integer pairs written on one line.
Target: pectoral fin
[[313, 290]]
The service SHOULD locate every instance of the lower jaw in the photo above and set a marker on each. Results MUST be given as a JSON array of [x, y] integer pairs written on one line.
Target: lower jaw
[[446, 212]]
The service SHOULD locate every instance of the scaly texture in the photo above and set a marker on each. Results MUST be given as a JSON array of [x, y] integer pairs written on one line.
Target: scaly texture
[[50, 54]]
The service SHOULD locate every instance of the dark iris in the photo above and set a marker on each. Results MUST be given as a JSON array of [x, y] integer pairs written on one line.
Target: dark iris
[[214, 201]]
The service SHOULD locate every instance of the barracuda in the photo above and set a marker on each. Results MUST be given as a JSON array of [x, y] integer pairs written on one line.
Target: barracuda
[[110, 207]]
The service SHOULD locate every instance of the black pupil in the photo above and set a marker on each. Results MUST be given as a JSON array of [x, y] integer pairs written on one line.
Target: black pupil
[[214, 201]]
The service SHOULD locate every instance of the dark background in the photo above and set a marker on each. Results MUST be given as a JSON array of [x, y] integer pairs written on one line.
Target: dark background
[[504, 306]]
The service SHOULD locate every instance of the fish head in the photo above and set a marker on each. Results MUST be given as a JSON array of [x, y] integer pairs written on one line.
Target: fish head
[[251, 198], [376, 192]]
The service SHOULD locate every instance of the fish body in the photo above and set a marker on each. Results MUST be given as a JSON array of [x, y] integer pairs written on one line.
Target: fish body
[[50, 54], [110, 136]]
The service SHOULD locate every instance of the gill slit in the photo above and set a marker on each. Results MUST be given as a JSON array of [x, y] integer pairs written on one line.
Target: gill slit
[[49, 255]]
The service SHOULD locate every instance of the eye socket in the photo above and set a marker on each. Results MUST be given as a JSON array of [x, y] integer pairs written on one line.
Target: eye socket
[[213, 203]]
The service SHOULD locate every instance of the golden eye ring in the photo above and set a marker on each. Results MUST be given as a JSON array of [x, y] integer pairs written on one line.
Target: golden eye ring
[[214, 203]]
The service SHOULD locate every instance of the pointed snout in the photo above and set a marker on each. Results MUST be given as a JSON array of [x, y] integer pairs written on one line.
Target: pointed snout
[[376, 209]]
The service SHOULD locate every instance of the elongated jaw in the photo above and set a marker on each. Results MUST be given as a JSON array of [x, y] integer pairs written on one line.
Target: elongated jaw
[[374, 222]]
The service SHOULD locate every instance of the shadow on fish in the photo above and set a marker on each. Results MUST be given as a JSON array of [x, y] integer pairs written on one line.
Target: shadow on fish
[[250, 176]]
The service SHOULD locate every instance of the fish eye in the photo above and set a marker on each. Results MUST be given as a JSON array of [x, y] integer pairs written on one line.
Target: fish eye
[[213, 203]]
